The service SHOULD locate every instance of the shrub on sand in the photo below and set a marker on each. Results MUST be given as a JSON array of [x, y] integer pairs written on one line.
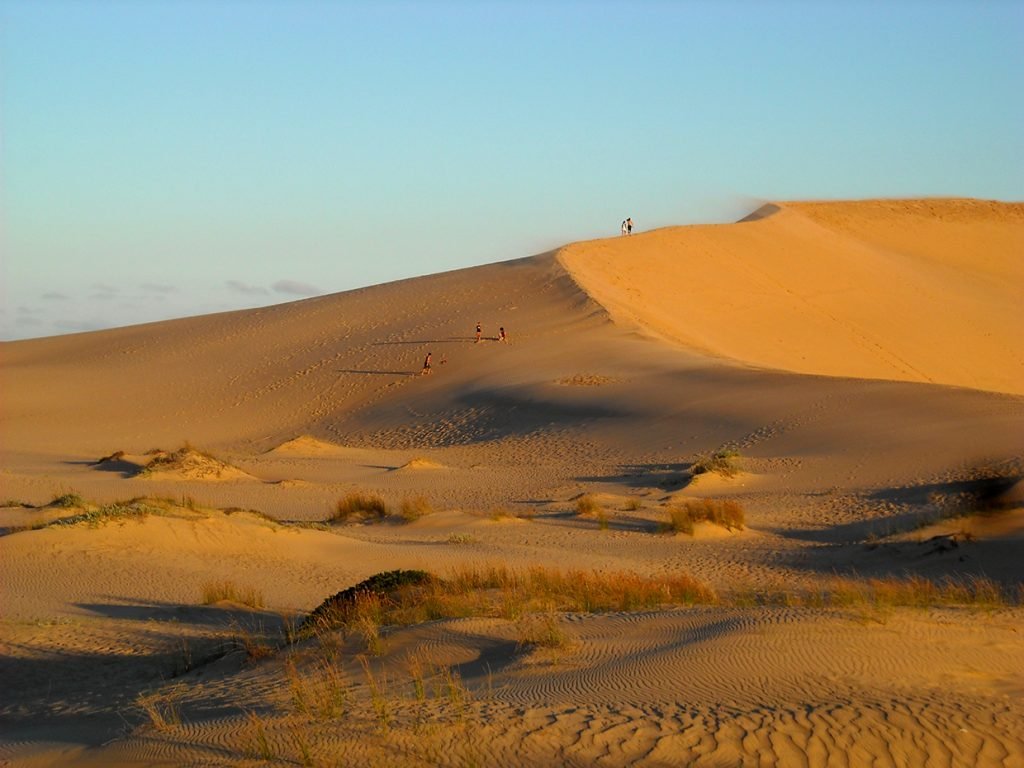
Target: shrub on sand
[[414, 507], [359, 506], [682, 517], [724, 461], [542, 630], [586, 505], [68, 501]]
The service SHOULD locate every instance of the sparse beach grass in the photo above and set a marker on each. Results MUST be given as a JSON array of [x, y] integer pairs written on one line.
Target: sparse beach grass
[[358, 505], [412, 597], [68, 500], [682, 517], [724, 461], [414, 507], [119, 510], [226, 589]]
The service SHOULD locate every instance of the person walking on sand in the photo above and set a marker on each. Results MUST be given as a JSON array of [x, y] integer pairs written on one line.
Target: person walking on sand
[[426, 364], [479, 331], [629, 226], [623, 229], [501, 334]]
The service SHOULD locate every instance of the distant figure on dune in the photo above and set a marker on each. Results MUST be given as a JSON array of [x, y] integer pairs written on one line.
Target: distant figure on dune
[[426, 364], [479, 331], [501, 334], [623, 229], [629, 226]]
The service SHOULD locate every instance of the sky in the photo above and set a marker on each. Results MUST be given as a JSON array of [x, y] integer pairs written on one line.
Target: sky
[[168, 159]]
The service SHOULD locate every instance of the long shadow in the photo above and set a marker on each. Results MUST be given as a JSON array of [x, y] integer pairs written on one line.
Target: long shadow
[[375, 373], [982, 493], [199, 615], [123, 468], [861, 547], [41, 682], [854, 532], [646, 475]]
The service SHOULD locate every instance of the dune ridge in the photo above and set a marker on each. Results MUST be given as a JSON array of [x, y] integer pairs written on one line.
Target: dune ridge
[[909, 290]]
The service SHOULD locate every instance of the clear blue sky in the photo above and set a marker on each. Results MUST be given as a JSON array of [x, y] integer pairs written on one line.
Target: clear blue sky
[[162, 159]]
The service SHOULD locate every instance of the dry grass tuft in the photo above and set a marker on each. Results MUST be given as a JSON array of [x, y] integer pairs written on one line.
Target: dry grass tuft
[[414, 507], [161, 707], [359, 506], [542, 630], [587, 506], [216, 591], [682, 517]]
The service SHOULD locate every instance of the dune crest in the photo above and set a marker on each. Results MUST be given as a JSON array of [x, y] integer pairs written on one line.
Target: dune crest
[[305, 445], [906, 290], [419, 464]]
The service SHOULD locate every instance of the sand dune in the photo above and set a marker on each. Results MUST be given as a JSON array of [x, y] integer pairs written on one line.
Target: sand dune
[[926, 290], [862, 361]]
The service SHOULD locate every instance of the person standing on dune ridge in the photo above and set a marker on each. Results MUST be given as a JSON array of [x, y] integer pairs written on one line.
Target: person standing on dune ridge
[[622, 229], [629, 225]]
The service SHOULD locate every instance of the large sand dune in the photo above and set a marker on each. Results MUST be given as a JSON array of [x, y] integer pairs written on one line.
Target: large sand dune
[[864, 360], [928, 290]]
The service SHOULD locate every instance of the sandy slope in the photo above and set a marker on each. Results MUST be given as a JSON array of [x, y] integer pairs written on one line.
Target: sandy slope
[[855, 453], [927, 290]]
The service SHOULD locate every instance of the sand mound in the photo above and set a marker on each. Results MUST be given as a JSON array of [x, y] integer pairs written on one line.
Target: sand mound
[[305, 445], [918, 290], [191, 464], [415, 465]]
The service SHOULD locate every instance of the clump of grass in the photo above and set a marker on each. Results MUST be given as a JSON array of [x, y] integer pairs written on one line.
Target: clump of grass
[[602, 519], [682, 517], [504, 513], [542, 630], [161, 707], [461, 538], [414, 507], [321, 692], [216, 591], [587, 506], [358, 506], [70, 500], [632, 505], [260, 744], [724, 461]]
